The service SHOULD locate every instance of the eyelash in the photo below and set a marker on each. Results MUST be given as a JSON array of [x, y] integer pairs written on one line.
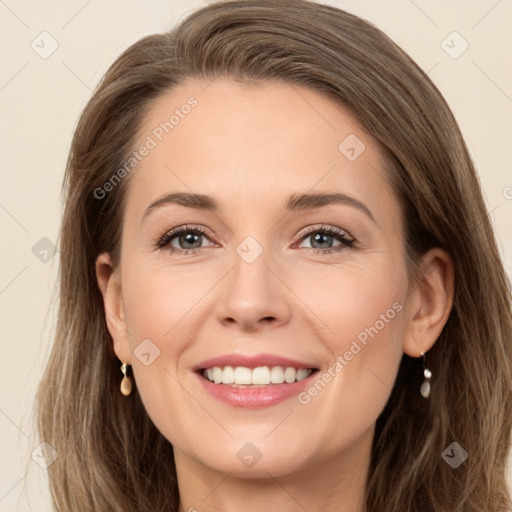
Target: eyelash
[[337, 233]]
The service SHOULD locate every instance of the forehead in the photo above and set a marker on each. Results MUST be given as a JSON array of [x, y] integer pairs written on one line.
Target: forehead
[[251, 144]]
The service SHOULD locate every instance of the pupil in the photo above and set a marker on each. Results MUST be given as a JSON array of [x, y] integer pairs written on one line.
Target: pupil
[[318, 238], [190, 238]]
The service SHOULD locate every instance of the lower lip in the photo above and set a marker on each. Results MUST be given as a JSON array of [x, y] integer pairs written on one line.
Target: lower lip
[[255, 398]]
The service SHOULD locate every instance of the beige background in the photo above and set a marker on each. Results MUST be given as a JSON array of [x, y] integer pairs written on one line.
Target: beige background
[[40, 100]]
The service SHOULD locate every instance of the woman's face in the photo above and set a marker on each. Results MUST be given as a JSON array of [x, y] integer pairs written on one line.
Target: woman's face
[[300, 264]]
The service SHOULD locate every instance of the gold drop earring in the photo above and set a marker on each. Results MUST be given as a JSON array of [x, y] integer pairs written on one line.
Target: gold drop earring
[[126, 383]]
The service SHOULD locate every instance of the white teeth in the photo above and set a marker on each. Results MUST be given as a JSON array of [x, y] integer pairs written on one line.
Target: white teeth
[[277, 375], [302, 374], [242, 375], [217, 375], [289, 375], [228, 375], [260, 376]]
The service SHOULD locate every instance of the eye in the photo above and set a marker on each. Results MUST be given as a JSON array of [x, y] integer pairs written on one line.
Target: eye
[[187, 238], [322, 239]]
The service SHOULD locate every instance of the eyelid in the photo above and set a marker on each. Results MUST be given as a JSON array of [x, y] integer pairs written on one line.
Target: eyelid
[[324, 228]]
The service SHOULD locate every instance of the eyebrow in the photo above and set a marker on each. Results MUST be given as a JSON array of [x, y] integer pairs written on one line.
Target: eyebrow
[[294, 203]]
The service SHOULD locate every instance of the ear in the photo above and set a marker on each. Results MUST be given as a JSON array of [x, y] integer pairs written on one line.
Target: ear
[[110, 286], [430, 302]]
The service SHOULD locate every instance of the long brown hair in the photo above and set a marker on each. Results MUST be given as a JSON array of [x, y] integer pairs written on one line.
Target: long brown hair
[[111, 456]]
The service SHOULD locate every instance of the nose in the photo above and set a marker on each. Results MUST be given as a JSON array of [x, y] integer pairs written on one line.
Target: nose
[[254, 296]]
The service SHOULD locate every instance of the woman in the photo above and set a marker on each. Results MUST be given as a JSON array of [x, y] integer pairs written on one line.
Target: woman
[[257, 369]]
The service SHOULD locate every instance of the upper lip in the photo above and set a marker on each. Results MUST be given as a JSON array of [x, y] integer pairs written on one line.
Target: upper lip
[[252, 361]]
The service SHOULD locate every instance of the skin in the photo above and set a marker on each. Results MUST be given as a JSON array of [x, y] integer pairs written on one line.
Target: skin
[[251, 147]]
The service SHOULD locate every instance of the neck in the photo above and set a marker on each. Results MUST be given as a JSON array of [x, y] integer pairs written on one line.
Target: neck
[[331, 484]]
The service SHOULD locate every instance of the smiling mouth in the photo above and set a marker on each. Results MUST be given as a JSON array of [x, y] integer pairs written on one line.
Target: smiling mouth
[[261, 376]]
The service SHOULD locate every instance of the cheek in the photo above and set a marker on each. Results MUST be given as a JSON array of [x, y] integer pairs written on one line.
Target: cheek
[[158, 300], [159, 306], [365, 314], [355, 302]]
